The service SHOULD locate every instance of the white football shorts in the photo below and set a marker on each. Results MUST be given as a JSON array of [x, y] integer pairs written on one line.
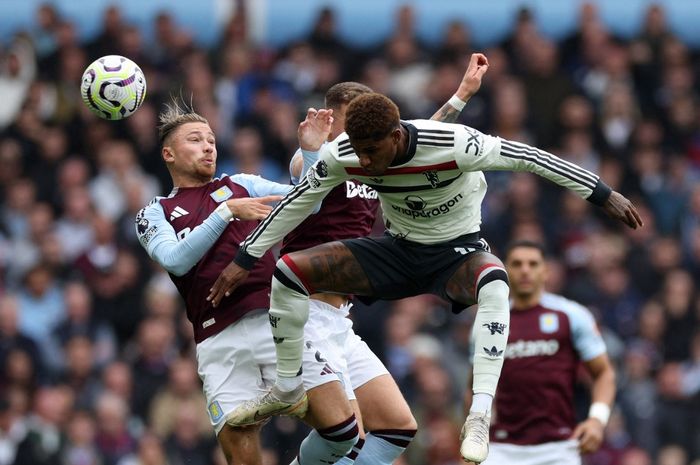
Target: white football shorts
[[358, 362], [239, 363], [550, 453]]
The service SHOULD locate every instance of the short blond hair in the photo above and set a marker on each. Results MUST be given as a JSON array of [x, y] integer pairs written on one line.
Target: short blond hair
[[176, 114], [345, 92]]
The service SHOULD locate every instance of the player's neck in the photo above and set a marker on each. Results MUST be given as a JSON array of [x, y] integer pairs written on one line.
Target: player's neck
[[402, 146], [181, 181], [525, 302]]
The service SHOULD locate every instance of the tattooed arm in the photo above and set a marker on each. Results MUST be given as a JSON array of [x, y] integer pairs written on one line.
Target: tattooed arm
[[471, 82]]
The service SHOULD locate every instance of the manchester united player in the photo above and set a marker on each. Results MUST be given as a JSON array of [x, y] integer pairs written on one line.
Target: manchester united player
[[194, 233], [429, 179], [549, 338], [349, 211]]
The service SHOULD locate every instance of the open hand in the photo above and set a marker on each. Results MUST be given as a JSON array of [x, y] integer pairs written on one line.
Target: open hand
[[589, 434], [229, 279], [471, 81], [620, 208], [252, 208], [314, 130]]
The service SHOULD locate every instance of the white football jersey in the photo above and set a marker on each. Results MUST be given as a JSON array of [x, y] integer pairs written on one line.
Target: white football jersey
[[435, 195]]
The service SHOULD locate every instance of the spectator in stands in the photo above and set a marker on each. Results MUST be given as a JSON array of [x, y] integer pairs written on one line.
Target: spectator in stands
[[81, 448], [45, 441], [182, 391], [114, 438]]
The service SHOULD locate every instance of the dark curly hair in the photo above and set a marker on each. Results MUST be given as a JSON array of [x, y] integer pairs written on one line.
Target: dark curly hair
[[371, 116], [344, 93]]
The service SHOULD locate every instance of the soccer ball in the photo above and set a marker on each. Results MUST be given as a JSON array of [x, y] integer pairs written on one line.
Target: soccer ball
[[113, 87]]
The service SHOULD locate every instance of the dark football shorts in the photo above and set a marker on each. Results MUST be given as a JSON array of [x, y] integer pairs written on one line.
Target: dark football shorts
[[399, 268]]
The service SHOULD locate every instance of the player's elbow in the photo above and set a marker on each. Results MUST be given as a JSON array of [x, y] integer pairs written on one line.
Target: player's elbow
[[174, 268], [610, 375], [606, 376]]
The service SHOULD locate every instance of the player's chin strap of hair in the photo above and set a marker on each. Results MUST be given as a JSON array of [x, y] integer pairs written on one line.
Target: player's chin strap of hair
[[600, 411]]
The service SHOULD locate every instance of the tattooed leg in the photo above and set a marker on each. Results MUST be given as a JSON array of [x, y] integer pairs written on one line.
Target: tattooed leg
[[332, 268], [329, 267]]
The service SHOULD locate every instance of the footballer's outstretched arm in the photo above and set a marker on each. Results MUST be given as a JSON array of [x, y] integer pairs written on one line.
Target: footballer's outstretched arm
[[471, 82], [481, 152], [448, 113]]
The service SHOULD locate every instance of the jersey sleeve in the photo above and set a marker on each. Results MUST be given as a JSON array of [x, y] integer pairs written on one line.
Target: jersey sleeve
[[159, 239], [303, 200], [258, 186], [309, 158], [480, 152], [587, 340]]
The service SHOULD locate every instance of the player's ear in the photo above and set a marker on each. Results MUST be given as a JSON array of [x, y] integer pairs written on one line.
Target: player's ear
[[167, 154], [396, 135]]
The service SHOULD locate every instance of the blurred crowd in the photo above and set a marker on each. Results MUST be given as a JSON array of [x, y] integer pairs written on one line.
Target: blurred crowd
[[95, 349]]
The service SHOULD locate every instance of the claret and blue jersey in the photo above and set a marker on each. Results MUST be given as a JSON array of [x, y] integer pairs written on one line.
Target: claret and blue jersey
[[194, 244], [546, 344]]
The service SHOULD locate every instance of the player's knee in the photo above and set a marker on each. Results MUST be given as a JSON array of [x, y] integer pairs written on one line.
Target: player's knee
[[402, 419], [492, 273], [398, 437], [343, 436], [288, 275]]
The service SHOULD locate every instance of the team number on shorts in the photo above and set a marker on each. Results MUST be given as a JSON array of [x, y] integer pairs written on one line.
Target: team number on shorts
[[464, 250]]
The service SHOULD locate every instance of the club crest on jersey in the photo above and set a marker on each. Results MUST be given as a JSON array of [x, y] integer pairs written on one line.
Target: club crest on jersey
[[432, 177], [215, 411], [549, 323], [221, 194]]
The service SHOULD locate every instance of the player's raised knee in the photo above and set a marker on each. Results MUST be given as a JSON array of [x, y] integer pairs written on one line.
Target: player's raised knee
[[289, 275], [491, 272]]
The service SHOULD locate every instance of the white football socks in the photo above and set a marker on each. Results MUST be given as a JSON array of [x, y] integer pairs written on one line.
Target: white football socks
[[490, 336], [481, 402], [289, 311]]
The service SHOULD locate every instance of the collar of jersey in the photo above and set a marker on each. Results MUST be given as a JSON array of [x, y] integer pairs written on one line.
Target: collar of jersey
[[412, 142]]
